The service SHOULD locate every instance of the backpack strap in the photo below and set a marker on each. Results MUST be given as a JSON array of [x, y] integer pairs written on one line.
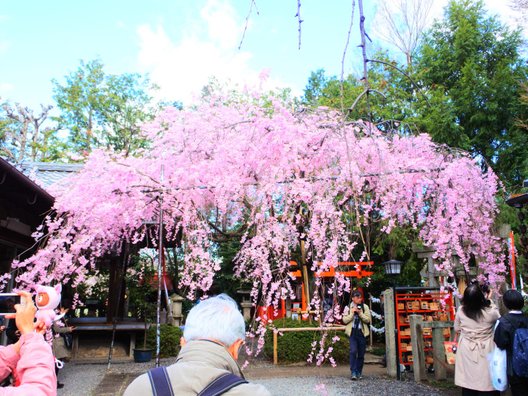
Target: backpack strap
[[222, 384], [523, 323], [160, 382]]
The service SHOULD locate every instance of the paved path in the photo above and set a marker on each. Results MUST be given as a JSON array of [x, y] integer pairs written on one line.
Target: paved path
[[95, 379]]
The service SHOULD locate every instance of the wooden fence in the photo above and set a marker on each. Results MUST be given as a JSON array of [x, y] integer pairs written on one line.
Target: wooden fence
[[417, 342]]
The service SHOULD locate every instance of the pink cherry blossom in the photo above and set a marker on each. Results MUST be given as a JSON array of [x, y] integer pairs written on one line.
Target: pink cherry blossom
[[248, 162]]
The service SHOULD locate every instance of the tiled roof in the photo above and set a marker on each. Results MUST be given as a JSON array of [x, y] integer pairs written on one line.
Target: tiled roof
[[47, 174]]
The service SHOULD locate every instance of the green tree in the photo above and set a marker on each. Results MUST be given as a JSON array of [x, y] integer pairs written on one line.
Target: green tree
[[26, 135], [390, 103], [472, 68], [103, 110]]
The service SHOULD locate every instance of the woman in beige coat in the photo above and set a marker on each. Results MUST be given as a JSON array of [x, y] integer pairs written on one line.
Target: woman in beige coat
[[474, 322]]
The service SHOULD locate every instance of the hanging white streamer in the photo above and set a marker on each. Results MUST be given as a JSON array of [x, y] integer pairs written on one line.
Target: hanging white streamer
[[376, 330], [376, 315]]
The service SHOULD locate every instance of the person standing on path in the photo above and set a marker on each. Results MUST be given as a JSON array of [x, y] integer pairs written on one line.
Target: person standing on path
[[474, 321], [504, 333], [358, 321]]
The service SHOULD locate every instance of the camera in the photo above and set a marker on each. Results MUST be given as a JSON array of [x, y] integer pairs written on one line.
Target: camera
[[7, 303], [484, 287]]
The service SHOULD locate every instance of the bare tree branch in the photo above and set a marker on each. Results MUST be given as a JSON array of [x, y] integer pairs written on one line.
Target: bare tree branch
[[300, 21], [404, 22], [251, 5], [341, 80]]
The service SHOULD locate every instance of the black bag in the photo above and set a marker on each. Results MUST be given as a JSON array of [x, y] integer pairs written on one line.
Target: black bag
[[68, 339], [161, 385]]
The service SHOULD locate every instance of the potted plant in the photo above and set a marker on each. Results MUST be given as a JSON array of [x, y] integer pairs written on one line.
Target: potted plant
[[141, 299], [144, 354]]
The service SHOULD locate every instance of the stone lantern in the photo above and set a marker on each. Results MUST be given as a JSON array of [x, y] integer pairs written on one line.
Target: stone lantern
[[245, 304], [176, 305]]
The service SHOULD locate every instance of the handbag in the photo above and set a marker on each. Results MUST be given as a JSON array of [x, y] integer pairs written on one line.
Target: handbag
[[497, 367], [68, 339], [450, 348]]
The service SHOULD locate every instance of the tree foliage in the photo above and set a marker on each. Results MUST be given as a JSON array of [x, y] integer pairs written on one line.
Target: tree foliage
[[465, 89], [471, 67], [391, 104], [103, 110], [26, 135]]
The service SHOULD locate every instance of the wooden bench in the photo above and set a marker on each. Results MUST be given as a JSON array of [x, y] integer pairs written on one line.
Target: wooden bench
[[99, 325]]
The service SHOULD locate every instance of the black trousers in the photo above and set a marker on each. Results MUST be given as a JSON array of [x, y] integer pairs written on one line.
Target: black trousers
[[472, 392], [358, 346], [518, 386]]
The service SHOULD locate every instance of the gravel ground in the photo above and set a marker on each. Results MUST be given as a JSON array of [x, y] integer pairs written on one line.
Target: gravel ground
[[337, 386], [83, 379], [80, 379]]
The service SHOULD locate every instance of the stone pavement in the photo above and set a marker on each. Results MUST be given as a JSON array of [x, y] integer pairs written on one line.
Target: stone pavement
[[113, 384]]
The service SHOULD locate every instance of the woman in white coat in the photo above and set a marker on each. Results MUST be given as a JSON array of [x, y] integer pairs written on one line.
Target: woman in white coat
[[475, 321]]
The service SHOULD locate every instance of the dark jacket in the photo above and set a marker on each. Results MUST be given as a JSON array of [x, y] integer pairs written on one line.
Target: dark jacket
[[504, 334]]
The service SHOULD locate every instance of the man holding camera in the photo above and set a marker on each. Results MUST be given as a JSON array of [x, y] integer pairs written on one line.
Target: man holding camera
[[358, 329]]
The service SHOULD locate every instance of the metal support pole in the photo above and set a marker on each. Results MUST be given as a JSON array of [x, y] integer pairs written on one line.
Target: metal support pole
[[160, 264]]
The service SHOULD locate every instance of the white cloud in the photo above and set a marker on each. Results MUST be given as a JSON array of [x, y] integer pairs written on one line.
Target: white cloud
[[221, 21], [6, 89], [208, 48]]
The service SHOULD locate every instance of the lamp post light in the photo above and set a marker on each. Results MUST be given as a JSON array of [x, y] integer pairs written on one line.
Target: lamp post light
[[393, 267]]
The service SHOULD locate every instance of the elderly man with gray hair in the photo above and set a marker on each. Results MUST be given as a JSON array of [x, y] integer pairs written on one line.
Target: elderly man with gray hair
[[206, 365]]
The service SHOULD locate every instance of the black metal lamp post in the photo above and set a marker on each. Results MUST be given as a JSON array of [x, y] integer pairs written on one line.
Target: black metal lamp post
[[393, 267]]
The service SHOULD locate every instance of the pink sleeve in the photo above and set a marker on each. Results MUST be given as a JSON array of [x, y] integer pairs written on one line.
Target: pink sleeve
[[8, 360], [35, 369]]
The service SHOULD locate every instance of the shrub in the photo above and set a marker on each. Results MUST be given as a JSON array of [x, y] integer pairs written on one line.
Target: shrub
[[169, 339], [296, 346]]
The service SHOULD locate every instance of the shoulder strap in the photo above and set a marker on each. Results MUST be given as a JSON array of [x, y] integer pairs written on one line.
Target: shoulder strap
[[222, 384], [160, 382]]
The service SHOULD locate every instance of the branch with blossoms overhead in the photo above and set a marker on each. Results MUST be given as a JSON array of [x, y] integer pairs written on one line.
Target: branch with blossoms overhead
[[249, 166]]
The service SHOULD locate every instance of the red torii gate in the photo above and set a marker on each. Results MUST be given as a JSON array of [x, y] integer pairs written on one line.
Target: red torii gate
[[356, 269], [351, 269]]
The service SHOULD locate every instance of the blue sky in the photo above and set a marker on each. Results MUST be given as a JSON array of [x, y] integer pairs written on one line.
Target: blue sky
[[179, 43]]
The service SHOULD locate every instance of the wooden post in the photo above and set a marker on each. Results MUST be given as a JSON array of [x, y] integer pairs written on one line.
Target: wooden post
[[438, 349], [275, 352], [306, 281], [370, 332], [391, 355], [417, 347], [439, 353]]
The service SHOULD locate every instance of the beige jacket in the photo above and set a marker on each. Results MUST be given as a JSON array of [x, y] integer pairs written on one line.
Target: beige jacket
[[198, 364], [364, 316], [60, 351], [474, 343]]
